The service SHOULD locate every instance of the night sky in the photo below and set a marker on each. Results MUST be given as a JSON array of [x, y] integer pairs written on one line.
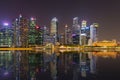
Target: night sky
[[104, 12]]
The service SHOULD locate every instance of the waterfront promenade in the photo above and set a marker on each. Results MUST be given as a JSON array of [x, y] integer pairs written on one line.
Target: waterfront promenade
[[64, 48]]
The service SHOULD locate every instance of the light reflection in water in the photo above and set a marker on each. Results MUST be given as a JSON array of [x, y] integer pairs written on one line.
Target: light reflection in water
[[25, 65], [105, 54]]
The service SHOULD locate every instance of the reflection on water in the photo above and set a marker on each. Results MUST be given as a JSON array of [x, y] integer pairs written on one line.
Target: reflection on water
[[105, 54], [25, 65]]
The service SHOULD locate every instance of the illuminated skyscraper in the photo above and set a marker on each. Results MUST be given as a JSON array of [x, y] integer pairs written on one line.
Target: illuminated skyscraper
[[32, 31], [67, 35], [85, 33], [84, 23], [46, 38], [24, 24], [16, 29], [93, 32], [39, 35], [20, 26], [54, 30], [75, 31], [6, 35], [76, 26], [35, 33], [62, 38]]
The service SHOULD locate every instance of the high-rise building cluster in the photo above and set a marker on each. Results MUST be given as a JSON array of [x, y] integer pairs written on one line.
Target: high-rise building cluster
[[81, 33], [25, 32]]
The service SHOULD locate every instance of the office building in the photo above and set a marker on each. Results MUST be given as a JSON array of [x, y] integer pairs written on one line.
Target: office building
[[54, 30], [20, 26], [93, 32], [76, 31], [67, 35], [6, 35], [84, 33], [46, 35], [32, 31]]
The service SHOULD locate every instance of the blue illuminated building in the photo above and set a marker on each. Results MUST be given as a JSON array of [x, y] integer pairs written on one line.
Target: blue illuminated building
[[76, 31]]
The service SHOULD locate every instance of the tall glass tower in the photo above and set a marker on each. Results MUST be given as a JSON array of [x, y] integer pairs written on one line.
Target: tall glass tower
[[45, 35], [35, 33], [84, 33], [32, 31], [67, 35], [76, 31], [24, 24], [6, 35], [54, 30], [93, 32], [21, 32], [39, 35]]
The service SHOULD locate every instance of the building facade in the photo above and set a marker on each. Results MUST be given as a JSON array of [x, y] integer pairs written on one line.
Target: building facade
[[32, 31], [54, 30], [67, 35], [20, 27], [84, 33], [6, 35], [76, 31]]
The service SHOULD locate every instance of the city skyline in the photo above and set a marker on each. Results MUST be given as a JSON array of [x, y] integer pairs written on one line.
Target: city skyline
[[106, 13]]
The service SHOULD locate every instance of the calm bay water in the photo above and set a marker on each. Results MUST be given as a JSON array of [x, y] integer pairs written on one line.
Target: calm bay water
[[25, 65]]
